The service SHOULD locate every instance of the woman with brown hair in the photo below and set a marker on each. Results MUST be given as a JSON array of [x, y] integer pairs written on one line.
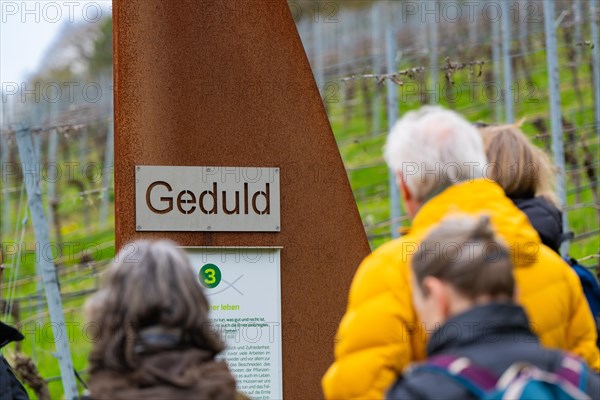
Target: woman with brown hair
[[154, 339], [527, 176]]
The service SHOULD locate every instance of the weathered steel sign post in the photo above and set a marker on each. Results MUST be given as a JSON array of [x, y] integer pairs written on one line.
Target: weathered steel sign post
[[223, 145]]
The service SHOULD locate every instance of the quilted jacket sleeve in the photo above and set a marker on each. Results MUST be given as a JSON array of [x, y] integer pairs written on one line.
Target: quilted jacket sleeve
[[379, 334]]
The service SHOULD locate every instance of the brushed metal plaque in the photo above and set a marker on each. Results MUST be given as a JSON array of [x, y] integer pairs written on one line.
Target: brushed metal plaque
[[215, 199]]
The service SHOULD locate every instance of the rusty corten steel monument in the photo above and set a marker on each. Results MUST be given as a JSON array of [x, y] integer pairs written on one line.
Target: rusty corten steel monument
[[227, 83]]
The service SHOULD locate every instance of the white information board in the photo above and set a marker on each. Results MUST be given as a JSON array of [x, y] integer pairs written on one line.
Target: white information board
[[243, 287]]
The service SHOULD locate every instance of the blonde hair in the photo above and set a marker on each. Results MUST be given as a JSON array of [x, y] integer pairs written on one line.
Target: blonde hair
[[150, 284], [522, 169]]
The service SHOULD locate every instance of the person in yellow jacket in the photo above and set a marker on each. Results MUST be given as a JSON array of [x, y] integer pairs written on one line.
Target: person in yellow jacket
[[440, 164]]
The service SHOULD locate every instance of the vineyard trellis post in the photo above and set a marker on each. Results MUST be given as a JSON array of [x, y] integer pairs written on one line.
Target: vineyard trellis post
[[376, 51], [473, 28], [83, 152], [107, 172], [556, 113], [31, 180], [4, 159], [523, 32], [37, 148], [496, 66], [593, 4], [507, 63], [392, 116], [432, 23], [318, 49], [51, 183], [578, 21]]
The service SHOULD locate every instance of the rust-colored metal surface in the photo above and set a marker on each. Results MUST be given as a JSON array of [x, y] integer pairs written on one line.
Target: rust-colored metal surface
[[227, 83]]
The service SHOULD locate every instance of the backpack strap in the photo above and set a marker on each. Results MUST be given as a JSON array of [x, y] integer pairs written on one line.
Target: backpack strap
[[573, 370], [480, 381], [570, 375], [461, 370]]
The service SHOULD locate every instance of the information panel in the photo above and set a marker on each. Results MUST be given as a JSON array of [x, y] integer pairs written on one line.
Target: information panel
[[225, 199], [244, 292]]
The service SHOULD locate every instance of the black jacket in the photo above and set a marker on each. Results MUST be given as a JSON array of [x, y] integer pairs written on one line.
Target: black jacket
[[10, 387], [545, 218], [493, 336]]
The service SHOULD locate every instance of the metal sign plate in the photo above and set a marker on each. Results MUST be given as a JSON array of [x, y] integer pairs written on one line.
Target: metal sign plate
[[215, 199]]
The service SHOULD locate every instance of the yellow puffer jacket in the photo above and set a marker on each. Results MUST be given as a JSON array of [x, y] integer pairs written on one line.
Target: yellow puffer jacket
[[380, 335]]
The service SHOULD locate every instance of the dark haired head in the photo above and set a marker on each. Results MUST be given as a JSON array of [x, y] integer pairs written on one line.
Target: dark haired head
[[465, 253], [150, 287]]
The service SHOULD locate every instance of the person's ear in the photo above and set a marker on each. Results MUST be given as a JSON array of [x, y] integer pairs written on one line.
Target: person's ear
[[406, 196], [408, 199], [437, 291]]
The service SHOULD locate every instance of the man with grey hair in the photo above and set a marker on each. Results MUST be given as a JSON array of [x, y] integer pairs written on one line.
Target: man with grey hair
[[431, 149], [439, 162]]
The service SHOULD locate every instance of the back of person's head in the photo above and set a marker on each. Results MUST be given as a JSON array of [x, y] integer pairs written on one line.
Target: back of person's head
[[463, 260], [150, 284], [432, 148], [522, 169]]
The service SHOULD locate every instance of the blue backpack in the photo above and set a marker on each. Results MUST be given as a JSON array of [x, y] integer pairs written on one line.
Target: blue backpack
[[519, 381], [591, 290]]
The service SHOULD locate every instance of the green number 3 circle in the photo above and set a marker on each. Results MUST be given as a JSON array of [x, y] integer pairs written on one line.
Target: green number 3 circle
[[210, 276]]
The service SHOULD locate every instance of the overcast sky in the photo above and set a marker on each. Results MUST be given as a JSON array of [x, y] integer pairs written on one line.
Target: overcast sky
[[27, 28]]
